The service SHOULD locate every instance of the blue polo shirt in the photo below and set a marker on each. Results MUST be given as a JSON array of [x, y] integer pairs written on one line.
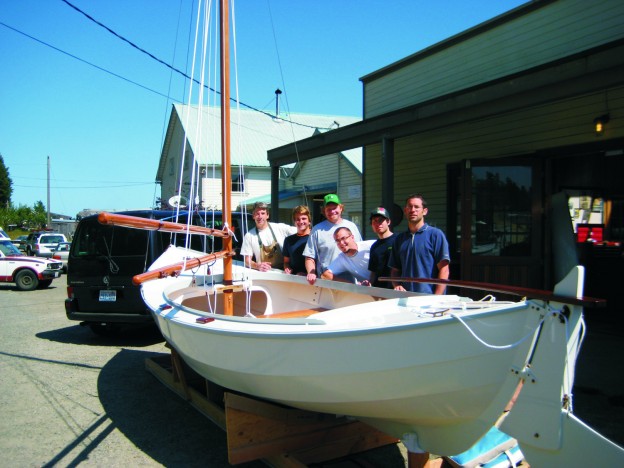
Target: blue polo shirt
[[417, 256]]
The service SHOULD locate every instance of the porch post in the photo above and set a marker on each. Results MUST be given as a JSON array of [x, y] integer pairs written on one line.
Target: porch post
[[387, 172], [275, 194]]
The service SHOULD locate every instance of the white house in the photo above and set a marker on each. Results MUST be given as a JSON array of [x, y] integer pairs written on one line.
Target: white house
[[253, 133]]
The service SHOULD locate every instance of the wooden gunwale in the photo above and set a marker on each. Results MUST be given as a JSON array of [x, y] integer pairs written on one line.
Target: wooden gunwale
[[530, 293]]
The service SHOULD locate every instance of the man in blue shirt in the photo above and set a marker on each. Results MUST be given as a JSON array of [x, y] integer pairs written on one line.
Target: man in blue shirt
[[420, 252]]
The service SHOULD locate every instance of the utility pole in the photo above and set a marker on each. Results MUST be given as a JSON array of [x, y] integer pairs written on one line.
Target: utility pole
[[48, 204]]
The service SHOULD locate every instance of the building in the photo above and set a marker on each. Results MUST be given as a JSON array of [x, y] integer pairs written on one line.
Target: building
[[253, 133], [489, 125], [309, 181]]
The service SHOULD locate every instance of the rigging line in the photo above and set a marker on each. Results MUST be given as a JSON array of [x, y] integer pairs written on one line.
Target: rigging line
[[279, 62], [84, 61], [152, 56], [164, 127]]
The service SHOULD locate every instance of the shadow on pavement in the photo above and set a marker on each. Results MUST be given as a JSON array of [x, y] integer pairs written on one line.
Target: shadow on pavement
[[137, 336], [154, 419]]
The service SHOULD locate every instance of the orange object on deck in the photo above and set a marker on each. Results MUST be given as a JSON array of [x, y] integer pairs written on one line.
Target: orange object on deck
[[176, 268], [157, 225]]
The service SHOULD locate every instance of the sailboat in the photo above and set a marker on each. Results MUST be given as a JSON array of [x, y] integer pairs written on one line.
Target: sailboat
[[437, 371]]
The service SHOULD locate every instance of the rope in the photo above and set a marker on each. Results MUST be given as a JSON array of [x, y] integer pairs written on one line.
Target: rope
[[491, 346], [112, 266], [568, 395]]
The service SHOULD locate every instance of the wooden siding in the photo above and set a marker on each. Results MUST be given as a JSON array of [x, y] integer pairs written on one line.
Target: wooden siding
[[350, 192], [318, 171], [257, 183], [326, 170], [546, 34], [421, 160]]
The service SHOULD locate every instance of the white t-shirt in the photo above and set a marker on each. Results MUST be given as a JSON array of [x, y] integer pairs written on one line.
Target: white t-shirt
[[357, 265], [251, 245], [322, 246]]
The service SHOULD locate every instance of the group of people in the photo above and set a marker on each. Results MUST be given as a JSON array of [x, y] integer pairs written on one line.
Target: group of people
[[334, 249]]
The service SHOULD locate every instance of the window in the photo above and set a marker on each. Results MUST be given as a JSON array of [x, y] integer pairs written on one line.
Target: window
[[501, 210], [238, 182]]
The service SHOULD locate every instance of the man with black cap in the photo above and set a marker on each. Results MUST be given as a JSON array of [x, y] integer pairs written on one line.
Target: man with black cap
[[321, 248], [381, 248]]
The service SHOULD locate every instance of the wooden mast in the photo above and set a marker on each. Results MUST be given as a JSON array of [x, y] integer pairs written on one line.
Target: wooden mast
[[226, 177]]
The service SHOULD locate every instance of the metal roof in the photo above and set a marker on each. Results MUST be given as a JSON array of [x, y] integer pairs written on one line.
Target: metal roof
[[253, 133]]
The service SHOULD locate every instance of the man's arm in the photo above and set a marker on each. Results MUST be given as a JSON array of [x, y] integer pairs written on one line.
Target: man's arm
[[310, 266], [443, 273], [394, 273], [373, 277], [287, 268]]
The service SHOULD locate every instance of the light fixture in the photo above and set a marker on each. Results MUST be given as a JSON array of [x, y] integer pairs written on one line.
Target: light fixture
[[599, 124]]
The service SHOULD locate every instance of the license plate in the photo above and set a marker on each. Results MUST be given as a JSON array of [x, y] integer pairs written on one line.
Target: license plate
[[57, 274], [107, 295]]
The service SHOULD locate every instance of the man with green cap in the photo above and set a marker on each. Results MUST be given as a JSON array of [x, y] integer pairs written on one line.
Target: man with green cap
[[321, 248]]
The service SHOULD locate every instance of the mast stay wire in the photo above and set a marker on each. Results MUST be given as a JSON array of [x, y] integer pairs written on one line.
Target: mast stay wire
[[279, 62]]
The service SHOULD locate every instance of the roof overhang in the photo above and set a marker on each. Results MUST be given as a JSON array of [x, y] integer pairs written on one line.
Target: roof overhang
[[585, 72]]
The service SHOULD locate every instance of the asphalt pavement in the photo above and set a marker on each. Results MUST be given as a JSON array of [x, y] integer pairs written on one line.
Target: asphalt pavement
[[71, 398]]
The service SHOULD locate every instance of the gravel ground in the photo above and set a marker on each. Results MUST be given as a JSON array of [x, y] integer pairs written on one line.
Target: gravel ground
[[69, 397]]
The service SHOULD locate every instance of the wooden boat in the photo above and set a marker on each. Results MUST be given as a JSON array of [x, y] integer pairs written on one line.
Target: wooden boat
[[436, 371]]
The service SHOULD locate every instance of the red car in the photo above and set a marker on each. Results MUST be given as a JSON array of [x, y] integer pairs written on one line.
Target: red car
[[27, 273]]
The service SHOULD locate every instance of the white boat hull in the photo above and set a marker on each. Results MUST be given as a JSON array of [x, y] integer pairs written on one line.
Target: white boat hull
[[388, 358], [384, 362]]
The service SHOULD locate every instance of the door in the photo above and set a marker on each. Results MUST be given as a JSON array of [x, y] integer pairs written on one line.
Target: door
[[499, 221]]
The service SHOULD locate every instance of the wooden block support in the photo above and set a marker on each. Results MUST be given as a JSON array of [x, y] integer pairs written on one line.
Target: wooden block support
[[258, 429], [281, 436]]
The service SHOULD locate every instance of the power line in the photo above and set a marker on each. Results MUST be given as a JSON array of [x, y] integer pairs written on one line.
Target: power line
[[83, 60], [152, 56], [85, 186]]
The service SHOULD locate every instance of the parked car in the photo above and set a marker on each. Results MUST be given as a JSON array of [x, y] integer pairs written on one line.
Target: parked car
[[3, 235], [61, 253], [103, 259], [20, 242], [27, 273], [41, 244]]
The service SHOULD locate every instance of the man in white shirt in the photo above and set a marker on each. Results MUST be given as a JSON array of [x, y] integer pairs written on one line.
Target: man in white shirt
[[353, 258], [262, 245], [321, 248]]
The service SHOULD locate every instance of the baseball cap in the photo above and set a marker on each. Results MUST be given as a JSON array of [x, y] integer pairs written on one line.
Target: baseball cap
[[332, 198], [380, 211]]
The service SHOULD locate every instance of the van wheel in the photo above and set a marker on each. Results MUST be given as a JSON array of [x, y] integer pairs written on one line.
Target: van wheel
[[26, 280], [104, 329]]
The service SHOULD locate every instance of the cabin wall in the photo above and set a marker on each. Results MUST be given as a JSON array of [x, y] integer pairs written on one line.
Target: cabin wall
[[421, 160], [550, 32]]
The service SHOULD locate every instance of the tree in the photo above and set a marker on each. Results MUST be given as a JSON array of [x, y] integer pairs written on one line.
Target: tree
[[6, 183], [40, 215]]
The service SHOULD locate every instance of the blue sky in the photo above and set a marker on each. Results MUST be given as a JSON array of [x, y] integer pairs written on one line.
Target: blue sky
[[103, 128]]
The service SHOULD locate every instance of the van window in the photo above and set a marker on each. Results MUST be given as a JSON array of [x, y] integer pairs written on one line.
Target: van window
[[51, 239], [95, 239]]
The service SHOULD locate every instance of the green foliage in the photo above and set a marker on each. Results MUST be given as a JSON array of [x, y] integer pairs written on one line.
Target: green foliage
[[6, 183], [23, 217]]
